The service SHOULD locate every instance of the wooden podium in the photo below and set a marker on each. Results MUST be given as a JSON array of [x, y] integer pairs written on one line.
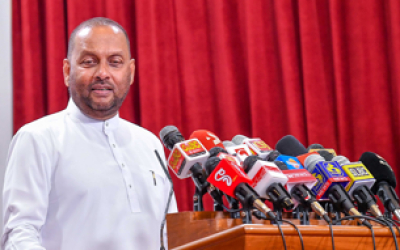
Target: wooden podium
[[217, 231]]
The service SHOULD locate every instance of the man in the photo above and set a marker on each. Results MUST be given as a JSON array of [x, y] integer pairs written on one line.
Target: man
[[84, 178]]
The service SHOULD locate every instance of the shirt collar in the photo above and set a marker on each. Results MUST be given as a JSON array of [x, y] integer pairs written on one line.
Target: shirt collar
[[77, 116]]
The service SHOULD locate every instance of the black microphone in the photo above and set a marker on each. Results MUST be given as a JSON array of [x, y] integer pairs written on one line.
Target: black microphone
[[385, 181], [315, 146]]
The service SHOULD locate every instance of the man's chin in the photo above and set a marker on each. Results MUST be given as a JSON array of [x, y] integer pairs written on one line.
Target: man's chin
[[102, 106]]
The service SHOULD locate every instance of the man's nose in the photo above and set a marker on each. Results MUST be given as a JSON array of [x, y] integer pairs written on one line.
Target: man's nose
[[102, 72]]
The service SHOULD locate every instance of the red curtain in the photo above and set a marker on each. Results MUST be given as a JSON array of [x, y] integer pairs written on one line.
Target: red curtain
[[325, 71]]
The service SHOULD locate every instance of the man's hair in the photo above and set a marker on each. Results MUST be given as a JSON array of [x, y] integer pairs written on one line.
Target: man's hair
[[95, 22]]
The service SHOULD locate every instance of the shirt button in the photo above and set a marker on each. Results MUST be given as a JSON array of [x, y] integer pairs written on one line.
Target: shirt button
[[106, 124], [130, 186], [114, 145], [123, 165]]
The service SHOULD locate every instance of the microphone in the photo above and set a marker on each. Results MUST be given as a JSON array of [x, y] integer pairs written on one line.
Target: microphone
[[223, 154], [207, 138], [213, 144], [186, 159], [267, 181], [331, 179], [325, 151], [315, 146], [326, 154], [289, 145], [256, 145], [361, 181], [385, 181], [319, 148], [240, 151], [331, 183], [272, 155], [300, 181], [184, 154], [230, 179]]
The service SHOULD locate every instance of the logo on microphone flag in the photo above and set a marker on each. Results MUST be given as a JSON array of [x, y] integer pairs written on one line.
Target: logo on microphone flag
[[192, 147], [359, 175], [261, 145], [221, 176], [226, 176], [175, 160], [327, 173]]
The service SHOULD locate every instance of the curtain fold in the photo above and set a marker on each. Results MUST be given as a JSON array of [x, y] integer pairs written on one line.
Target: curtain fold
[[324, 71]]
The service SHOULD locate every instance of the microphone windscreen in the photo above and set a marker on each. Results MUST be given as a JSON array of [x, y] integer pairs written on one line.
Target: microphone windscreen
[[315, 146], [207, 138], [342, 160], [249, 163], [210, 164], [166, 130], [170, 135], [238, 139], [289, 145], [327, 156], [228, 144], [281, 165], [379, 168], [272, 156], [216, 150]]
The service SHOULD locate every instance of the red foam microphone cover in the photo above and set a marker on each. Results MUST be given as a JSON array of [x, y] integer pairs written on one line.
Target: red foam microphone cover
[[207, 138]]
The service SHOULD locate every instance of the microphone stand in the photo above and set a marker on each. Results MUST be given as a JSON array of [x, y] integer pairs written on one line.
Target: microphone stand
[[278, 210], [304, 218], [246, 208], [388, 214], [198, 200], [331, 210], [234, 205]]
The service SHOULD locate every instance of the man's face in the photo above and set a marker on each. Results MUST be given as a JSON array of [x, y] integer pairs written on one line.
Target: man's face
[[100, 71]]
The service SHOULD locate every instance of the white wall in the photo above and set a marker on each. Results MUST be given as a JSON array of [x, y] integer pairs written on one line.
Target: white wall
[[5, 90]]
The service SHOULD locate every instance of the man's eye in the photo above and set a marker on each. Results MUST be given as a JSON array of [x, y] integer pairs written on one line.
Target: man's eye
[[116, 61], [88, 61]]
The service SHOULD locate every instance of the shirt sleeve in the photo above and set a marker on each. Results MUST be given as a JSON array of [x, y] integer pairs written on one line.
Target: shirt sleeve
[[26, 189]]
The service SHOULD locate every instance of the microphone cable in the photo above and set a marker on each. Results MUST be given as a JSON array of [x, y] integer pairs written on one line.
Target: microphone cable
[[282, 235], [382, 222], [373, 237], [162, 247], [281, 231], [298, 232], [392, 222], [331, 230], [229, 209], [370, 227]]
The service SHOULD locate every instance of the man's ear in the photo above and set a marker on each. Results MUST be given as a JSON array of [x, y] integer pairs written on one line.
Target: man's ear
[[66, 71], [132, 68]]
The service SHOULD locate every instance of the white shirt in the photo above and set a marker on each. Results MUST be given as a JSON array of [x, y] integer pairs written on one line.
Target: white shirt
[[75, 183]]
